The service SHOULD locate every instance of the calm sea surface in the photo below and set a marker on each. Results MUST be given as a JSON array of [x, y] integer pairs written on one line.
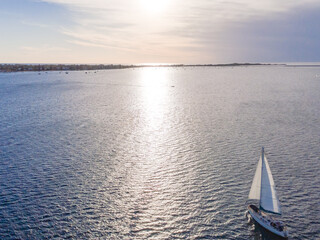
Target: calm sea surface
[[156, 153]]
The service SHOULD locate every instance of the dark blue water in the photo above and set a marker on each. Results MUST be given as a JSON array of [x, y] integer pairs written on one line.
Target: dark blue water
[[156, 153]]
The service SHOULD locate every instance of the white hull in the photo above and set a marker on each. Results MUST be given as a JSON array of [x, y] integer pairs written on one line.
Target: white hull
[[265, 222]]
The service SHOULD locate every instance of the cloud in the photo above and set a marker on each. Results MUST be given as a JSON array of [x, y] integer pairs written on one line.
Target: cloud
[[291, 37], [193, 28]]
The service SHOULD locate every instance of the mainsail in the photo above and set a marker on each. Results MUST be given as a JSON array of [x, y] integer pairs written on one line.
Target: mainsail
[[263, 187], [255, 190]]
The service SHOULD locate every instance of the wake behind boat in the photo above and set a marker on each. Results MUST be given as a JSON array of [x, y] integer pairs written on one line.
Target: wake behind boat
[[263, 189]]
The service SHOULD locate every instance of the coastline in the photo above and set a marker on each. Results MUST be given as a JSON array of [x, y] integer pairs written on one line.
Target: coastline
[[9, 67]]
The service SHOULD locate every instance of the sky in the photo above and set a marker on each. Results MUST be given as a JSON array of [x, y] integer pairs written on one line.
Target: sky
[[159, 31]]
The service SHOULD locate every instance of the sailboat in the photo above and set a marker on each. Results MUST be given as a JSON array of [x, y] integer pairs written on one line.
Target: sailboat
[[263, 189]]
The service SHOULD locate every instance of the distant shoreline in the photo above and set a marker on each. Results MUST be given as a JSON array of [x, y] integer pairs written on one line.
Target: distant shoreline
[[87, 67]]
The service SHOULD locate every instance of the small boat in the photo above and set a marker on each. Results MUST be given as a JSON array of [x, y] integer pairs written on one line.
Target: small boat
[[263, 189]]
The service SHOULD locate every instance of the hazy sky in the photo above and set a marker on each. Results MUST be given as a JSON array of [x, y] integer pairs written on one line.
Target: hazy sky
[[159, 31]]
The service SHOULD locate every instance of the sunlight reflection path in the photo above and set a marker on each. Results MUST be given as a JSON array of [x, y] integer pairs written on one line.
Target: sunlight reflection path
[[154, 184], [155, 82]]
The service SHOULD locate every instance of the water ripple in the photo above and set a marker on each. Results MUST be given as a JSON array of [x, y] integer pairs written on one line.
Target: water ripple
[[123, 155]]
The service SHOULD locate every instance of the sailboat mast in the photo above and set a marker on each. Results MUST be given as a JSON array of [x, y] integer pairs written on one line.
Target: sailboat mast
[[262, 163]]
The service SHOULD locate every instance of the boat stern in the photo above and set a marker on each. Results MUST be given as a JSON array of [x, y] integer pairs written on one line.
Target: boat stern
[[285, 233], [265, 221]]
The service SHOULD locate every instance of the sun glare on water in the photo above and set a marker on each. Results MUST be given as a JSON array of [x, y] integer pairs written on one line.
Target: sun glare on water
[[154, 6]]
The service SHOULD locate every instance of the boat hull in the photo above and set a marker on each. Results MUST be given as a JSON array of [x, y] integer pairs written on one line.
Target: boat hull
[[263, 222]]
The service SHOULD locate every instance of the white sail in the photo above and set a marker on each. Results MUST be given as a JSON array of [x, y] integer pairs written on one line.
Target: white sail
[[268, 198], [255, 190]]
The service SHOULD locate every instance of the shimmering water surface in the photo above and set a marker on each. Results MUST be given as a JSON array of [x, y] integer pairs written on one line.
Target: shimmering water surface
[[156, 153]]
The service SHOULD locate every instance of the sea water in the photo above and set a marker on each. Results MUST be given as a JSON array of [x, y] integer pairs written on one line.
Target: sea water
[[156, 153]]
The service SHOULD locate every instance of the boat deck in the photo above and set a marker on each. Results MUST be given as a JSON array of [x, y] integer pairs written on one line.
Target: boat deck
[[267, 221]]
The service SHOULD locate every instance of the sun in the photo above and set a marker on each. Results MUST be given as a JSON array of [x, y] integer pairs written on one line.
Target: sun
[[154, 6]]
